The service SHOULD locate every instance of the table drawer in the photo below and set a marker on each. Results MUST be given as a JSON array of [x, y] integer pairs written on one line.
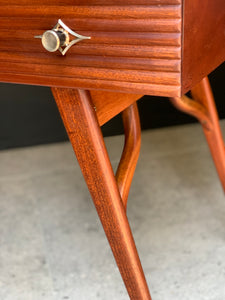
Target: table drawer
[[134, 47]]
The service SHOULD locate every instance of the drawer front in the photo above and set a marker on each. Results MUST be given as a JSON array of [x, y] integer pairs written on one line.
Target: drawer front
[[134, 47]]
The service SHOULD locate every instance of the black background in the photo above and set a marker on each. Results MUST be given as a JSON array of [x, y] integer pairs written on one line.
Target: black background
[[29, 116]]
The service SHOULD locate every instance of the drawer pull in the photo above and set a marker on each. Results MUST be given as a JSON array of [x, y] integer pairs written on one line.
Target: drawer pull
[[58, 38]]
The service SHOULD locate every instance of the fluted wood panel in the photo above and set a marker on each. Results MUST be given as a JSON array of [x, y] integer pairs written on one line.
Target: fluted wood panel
[[88, 2], [134, 47]]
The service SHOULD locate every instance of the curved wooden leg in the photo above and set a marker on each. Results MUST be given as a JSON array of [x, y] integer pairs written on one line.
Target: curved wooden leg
[[80, 120], [132, 145], [202, 106]]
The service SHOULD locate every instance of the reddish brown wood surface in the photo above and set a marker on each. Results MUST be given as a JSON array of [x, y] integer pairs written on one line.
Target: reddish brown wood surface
[[135, 46], [202, 106], [108, 104], [204, 40], [132, 145], [89, 2], [85, 135]]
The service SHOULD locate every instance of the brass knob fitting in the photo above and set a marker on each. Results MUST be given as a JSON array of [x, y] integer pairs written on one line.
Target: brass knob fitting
[[58, 38], [52, 40]]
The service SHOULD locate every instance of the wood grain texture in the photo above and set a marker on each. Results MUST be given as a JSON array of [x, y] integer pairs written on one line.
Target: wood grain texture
[[108, 104], [102, 12], [203, 107], [131, 150], [89, 2], [81, 123], [204, 40], [135, 45]]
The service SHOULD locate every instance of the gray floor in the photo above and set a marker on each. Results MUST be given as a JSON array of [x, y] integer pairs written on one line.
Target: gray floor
[[53, 247]]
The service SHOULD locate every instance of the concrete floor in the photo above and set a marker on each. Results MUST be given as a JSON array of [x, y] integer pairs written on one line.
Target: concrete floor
[[52, 246]]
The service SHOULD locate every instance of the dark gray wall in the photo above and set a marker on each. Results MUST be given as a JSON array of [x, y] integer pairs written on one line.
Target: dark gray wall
[[29, 116]]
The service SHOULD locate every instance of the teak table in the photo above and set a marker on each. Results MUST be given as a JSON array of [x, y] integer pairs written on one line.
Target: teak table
[[99, 57]]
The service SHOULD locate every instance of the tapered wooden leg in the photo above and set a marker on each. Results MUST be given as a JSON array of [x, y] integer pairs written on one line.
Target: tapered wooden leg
[[202, 106], [80, 120]]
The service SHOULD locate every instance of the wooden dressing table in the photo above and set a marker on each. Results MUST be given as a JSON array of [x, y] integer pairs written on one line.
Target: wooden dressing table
[[116, 51]]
